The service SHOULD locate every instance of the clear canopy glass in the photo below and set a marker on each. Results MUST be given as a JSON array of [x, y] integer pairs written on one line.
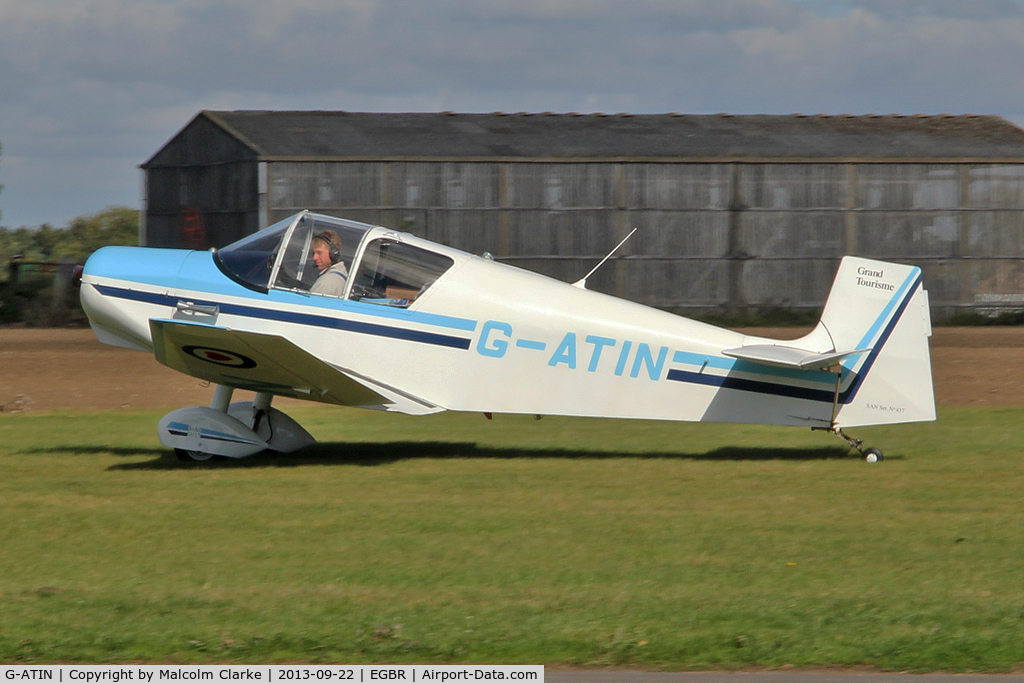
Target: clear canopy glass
[[297, 269], [250, 259], [285, 256], [281, 256], [396, 274]]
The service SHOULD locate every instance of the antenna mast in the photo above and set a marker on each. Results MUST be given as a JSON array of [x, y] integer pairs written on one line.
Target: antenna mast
[[582, 283]]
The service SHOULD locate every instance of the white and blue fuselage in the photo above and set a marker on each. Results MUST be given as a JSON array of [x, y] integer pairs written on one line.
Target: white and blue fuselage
[[425, 327]]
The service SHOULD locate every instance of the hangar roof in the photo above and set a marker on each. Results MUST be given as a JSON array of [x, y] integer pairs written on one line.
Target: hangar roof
[[340, 135]]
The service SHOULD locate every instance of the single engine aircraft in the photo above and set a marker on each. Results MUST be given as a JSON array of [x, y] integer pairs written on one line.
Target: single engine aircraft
[[406, 325]]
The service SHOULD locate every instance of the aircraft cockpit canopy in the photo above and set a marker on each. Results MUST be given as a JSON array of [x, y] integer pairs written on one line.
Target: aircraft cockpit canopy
[[315, 254], [282, 255]]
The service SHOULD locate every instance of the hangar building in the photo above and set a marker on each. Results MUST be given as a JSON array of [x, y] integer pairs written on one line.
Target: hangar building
[[734, 213]]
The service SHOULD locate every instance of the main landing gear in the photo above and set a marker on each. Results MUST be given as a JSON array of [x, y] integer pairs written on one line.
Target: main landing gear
[[231, 430]]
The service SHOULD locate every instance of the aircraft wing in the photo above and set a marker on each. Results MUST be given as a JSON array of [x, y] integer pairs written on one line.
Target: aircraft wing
[[269, 363], [789, 357]]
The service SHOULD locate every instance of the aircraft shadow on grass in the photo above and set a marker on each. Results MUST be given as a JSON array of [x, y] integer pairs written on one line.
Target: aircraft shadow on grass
[[372, 454]]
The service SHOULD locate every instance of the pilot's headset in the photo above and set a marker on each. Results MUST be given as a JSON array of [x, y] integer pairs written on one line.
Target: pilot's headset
[[333, 244]]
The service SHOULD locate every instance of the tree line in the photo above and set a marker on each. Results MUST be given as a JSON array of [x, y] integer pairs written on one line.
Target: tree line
[[34, 295], [82, 236]]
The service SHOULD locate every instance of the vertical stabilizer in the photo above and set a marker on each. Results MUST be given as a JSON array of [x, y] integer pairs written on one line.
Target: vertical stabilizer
[[882, 307]]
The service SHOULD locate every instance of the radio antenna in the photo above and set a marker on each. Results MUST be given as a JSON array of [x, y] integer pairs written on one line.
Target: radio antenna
[[582, 284]]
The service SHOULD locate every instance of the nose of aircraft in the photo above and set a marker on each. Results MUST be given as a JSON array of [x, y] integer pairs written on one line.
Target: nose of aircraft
[[123, 287]]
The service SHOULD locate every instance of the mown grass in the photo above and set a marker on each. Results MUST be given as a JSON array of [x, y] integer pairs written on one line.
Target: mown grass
[[571, 542]]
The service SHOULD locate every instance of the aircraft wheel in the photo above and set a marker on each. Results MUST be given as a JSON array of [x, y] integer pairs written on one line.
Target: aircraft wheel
[[873, 455], [189, 456]]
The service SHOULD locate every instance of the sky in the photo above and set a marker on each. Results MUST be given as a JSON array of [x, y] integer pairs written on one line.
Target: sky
[[90, 89]]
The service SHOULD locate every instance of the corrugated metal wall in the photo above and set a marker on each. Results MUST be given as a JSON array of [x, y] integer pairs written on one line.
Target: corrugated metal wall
[[201, 206], [201, 190], [711, 237]]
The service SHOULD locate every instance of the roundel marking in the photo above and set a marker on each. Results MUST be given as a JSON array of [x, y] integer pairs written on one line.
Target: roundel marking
[[220, 357]]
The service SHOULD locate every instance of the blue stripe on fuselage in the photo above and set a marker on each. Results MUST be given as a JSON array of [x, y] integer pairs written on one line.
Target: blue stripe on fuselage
[[143, 265], [761, 387], [200, 274], [752, 385], [195, 272], [293, 317], [739, 365]]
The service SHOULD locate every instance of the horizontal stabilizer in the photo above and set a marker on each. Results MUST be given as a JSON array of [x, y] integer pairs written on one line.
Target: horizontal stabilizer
[[789, 357]]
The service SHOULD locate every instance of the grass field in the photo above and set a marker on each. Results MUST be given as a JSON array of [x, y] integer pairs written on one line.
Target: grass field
[[567, 542]]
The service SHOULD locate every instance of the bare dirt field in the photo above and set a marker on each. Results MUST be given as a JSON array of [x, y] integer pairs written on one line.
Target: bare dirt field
[[59, 369]]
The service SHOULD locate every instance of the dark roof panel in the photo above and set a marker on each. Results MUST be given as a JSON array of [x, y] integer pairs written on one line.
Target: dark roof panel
[[341, 135]]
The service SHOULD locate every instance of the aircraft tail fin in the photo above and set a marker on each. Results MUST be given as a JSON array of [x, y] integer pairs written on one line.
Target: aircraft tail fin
[[881, 309]]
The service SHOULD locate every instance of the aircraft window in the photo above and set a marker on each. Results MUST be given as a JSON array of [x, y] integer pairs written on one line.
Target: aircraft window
[[318, 255], [394, 274], [250, 259]]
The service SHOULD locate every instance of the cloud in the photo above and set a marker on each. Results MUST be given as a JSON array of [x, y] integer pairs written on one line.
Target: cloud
[[975, 10], [466, 46], [93, 82]]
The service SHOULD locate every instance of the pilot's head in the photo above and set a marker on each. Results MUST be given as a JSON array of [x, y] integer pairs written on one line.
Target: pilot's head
[[326, 249]]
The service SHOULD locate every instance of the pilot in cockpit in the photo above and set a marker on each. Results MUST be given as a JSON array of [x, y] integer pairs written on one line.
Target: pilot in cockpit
[[327, 259]]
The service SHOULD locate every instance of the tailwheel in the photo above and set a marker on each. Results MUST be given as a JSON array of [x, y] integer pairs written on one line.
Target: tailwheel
[[873, 455], [869, 454], [190, 456]]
